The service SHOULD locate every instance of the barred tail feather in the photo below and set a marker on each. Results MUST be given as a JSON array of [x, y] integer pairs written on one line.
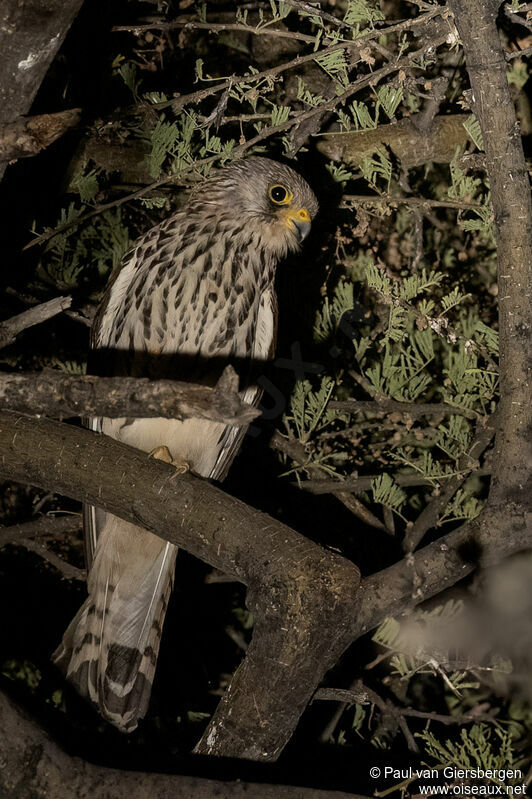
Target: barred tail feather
[[109, 651]]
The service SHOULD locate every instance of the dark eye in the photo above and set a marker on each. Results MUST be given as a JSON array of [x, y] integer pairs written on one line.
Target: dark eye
[[279, 194]]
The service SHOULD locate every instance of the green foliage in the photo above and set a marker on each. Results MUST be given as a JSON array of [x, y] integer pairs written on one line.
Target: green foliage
[[308, 413], [389, 98], [328, 318], [472, 125], [127, 70], [304, 94], [377, 166], [23, 671], [359, 11], [86, 185], [68, 261], [481, 747], [362, 116], [518, 72], [388, 493]]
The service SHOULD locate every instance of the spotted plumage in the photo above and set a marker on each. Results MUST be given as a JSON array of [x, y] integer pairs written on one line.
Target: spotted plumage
[[195, 292]]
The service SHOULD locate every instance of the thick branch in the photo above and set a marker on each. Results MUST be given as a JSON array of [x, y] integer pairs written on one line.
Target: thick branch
[[485, 541], [63, 396], [34, 766], [510, 194], [302, 596], [412, 146]]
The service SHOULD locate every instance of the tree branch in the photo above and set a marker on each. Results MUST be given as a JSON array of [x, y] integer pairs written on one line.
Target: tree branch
[[64, 396], [34, 766], [510, 194], [30, 36], [414, 409], [296, 450], [10, 328], [429, 516], [27, 136], [302, 596]]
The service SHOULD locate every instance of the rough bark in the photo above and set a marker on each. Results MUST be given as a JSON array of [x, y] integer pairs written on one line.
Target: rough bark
[[512, 206], [64, 396], [27, 136], [302, 596], [34, 767], [31, 32], [412, 145]]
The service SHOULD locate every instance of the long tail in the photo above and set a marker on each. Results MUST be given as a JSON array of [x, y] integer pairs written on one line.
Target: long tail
[[110, 648]]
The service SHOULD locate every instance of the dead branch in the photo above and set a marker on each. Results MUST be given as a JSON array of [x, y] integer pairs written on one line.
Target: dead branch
[[425, 203], [362, 695], [196, 97], [10, 328], [25, 535], [43, 527], [30, 36], [27, 136], [214, 27], [64, 396]]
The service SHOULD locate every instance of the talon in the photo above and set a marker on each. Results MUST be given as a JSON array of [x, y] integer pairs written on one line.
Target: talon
[[162, 453]]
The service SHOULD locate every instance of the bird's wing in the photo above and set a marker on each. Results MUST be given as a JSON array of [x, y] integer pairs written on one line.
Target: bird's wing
[[263, 349]]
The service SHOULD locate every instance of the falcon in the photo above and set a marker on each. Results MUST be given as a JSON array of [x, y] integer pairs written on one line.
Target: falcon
[[194, 293]]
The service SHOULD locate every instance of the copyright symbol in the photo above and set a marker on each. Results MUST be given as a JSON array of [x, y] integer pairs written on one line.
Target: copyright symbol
[[374, 772]]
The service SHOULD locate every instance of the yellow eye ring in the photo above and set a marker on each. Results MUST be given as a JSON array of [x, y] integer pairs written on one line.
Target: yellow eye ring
[[280, 195]]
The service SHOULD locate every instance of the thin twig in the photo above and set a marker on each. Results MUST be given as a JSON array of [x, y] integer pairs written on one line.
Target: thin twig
[[428, 518], [416, 202], [214, 27], [10, 328], [518, 53], [358, 485], [363, 695], [44, 526], [298, 453], [23, 535], [415, 410], [196, 97]]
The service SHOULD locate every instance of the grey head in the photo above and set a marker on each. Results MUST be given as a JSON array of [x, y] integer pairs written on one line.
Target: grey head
[[261, 195]]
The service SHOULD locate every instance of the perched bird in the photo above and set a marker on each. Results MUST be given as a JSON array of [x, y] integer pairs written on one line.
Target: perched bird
[[194, 293]]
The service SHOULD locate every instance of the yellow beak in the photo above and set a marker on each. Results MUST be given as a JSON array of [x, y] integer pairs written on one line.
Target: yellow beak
[[298, 221]]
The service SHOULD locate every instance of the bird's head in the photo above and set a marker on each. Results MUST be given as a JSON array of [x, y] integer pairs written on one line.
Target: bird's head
[[265, 197]]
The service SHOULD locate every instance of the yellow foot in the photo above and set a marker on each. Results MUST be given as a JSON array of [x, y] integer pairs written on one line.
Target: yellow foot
[[163, 454]]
